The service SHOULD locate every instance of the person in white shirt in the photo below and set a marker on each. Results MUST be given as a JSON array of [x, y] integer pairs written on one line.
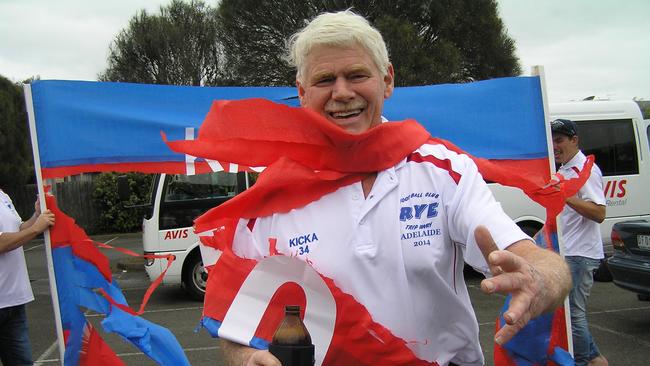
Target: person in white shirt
[[15, 290], [580, 221], [397, 240]]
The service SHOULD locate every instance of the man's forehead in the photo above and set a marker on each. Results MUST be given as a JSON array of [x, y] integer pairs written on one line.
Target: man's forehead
[[329, 69], [560, 136]]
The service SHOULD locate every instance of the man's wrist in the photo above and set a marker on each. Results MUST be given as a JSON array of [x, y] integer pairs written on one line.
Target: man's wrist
[[248, 354], [32, 231]]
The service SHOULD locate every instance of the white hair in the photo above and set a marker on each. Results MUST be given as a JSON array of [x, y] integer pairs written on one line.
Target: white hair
[[342, 29]]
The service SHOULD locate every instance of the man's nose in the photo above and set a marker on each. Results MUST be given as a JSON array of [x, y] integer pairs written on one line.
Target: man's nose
[[342, 90]]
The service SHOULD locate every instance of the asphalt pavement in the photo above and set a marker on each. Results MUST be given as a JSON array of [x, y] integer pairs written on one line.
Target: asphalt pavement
[[619, 322]]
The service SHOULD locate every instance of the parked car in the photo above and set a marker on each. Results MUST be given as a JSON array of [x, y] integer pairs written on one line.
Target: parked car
[[630, 264]]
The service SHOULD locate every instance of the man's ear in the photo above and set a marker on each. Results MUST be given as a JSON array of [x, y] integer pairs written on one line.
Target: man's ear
[[301, 92], [389, 81], [575, 139]]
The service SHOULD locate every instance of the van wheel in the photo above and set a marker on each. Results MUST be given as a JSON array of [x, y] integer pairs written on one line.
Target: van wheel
[[529, 229], [195, 277], [643, 297]]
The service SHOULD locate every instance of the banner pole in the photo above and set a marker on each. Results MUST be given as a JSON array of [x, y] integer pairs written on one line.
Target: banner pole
[[29, 103], [538, 70]]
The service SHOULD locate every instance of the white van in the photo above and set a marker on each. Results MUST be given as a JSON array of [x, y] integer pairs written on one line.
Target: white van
[[614, 132]]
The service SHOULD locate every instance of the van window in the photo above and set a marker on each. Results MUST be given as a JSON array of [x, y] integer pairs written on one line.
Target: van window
[[201, 186], [613, 143], [187, 197]]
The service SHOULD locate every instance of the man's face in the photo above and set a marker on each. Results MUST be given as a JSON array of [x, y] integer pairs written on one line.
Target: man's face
[[345, 86], [564, 147]]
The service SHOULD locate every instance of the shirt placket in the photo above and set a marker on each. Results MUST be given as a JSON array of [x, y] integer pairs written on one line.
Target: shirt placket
[[363, 242]]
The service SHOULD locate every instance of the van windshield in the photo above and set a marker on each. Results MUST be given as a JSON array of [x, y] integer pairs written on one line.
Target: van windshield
[[200, 186]]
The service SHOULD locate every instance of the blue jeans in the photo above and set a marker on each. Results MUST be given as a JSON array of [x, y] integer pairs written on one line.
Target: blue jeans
[[582, 274], [14, 339]]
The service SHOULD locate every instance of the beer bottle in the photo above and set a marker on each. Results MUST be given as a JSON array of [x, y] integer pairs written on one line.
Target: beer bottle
[[291, 342]]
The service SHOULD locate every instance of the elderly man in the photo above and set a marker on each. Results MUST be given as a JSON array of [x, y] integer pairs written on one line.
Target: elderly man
[[411, 284]]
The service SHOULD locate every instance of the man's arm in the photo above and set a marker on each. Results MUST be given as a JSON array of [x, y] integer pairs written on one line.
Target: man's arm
[[235, 354], [587, 209], [538, 280], [35, 215], [28, 231]]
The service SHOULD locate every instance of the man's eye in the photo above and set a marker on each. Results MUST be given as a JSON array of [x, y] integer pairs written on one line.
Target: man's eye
[[358, 76], [324, 81]]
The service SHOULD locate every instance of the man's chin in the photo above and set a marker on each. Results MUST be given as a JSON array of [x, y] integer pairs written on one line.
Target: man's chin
[[350, 125]]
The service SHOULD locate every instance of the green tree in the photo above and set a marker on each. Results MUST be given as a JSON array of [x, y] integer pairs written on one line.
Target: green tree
[[644, 105], [430, 41], [116, 214], [179, 46], [16, 162]]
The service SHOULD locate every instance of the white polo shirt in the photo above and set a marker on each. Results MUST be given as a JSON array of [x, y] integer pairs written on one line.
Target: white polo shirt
[[581, 235], [14, 280], [399, 251]]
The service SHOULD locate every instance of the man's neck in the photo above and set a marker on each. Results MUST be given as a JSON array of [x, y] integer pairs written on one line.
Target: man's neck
[[367, 183], [572, 156]]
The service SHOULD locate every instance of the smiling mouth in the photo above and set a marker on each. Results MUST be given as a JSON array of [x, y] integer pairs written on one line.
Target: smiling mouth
[[346, 114]]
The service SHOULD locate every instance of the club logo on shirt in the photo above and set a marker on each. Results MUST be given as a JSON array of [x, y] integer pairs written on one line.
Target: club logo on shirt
[[417, 213], [418, 210]]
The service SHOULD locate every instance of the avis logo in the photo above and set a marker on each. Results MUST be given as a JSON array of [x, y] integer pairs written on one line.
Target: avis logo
[[416, 211], [176, 234], [615, 188]]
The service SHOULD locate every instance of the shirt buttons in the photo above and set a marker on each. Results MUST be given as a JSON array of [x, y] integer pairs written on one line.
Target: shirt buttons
[[355, 197]]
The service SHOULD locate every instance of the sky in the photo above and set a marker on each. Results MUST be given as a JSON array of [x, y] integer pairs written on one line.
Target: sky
[[587, 47]]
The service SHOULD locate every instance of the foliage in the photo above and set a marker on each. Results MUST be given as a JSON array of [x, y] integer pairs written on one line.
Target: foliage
[[117, 215], [644, 105], [430, 41], [16, 161], [179, 46]]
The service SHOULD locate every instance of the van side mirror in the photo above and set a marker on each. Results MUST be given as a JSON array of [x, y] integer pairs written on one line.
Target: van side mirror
[[123, 189]]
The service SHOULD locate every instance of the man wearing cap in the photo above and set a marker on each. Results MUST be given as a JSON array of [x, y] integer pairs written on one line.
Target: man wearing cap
[[582, 241]]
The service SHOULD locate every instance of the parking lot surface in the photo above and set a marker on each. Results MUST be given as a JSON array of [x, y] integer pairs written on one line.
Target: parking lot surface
[[619, 322]]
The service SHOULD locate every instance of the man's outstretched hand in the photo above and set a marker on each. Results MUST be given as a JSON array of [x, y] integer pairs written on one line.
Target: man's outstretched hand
[[538, 280]]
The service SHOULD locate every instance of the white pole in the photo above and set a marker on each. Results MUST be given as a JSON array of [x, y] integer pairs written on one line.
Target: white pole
[[538, 70], [46, 235]]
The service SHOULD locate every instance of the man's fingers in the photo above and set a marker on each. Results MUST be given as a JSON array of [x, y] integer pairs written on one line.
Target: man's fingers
[[263, 358], [509, 331], [485, 241], [48, 216], [506, 283], [518, 309], [487, 245], [508, 261]]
